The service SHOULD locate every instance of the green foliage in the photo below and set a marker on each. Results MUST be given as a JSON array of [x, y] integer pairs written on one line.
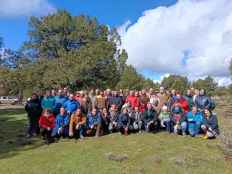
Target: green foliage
[[177, 82], [130, 79], [53, 35], [72, 50], [207, 84]]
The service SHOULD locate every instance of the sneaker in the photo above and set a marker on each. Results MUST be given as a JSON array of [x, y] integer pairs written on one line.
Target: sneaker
[[205, 137], [28, 136]]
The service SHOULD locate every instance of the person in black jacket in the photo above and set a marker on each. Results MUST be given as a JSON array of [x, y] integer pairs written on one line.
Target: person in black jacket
[[34, 110], [210, 125]]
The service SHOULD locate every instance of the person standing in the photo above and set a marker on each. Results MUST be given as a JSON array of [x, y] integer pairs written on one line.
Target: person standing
[[34, 110]]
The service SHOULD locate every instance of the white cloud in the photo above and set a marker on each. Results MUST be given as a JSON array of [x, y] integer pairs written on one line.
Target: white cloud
[[192, 38], [12, 8]]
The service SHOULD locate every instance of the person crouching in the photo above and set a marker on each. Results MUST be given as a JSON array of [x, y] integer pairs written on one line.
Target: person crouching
[[210, 125], [47, 123], [62, 124], [124, 122], [165, 119], [93, 123], [77, 124]]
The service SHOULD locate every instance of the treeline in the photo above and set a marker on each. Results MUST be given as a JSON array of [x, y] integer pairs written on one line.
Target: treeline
[[74, 51], [79, 52]]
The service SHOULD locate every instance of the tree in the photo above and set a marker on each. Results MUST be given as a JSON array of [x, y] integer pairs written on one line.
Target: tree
[[175, 82], [207, 84], [74, 48], [59, 33]]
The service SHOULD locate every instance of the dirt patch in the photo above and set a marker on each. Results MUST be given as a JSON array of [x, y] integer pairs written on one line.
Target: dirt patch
[[113, 157]]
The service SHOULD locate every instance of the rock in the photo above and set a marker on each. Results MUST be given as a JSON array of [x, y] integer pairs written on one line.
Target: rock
[[119, 158]]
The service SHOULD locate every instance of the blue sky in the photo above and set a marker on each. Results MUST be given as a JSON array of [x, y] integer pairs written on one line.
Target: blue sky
[[13, 28], [186, 37], [112, 12]]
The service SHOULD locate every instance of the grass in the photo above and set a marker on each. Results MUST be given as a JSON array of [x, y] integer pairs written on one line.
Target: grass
[[147, 153]]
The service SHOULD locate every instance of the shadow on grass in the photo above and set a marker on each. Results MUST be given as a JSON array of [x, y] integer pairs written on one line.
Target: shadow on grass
[[13, 125]]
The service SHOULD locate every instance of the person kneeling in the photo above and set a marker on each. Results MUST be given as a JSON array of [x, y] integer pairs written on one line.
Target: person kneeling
[[77, 125], [137, 120], [47, 123], [194, 119], [178, 120], [62, 123], [164, 118], [124, 122], [93, 123], [210, 125], [150, 119]]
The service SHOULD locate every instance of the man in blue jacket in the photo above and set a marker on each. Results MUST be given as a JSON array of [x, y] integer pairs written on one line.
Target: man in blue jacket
[[93, 123], [202, 101], [195, 120], [124, 122], [71, 105], [62, 124], [60, 99]]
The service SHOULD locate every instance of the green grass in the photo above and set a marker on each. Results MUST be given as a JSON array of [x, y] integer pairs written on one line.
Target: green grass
[[147, 153]]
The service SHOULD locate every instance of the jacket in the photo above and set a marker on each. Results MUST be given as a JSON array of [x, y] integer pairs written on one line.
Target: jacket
[[71, 106], [33, 108], [124, 120], [47, 122], [202, 102], [150, 115], [133, 100], [212, 122], [48, 102], [93, 120]]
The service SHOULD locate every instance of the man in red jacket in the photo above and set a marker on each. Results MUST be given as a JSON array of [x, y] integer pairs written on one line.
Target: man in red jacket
[[133, 100], [47, 123], [183, 102]]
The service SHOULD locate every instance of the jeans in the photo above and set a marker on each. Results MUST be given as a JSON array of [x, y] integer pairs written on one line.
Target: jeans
[[181, 128], [194, 128]]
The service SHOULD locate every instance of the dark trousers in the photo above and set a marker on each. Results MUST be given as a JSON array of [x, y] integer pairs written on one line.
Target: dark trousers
[[94, 131], [33, 127], [47, 135]]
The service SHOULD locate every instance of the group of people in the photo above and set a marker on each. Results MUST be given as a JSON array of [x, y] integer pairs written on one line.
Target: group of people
[[66, 114]]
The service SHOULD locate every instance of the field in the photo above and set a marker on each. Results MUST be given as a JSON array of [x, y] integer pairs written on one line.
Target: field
[[116, 154]]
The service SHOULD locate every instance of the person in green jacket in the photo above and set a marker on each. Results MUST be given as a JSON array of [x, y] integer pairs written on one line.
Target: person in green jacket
[[189, 98], [150, 119]]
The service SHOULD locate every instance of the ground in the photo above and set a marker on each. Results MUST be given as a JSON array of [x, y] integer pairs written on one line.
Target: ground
[[137, 153]]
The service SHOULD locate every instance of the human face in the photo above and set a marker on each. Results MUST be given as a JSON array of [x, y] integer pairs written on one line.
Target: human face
[[202, 92], [149, 106], [188, 92], [104, 110], [125, 111], [71, 97], [62, 111], [194, 109], [136, 109], [33, 97], [94, 112], [78, 112], [207, 113]]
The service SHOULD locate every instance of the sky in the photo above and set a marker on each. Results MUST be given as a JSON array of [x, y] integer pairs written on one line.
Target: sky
[[162, 37]]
